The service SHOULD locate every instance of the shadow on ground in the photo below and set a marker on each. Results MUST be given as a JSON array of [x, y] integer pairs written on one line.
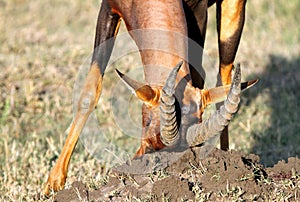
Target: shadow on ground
[[279, 135]]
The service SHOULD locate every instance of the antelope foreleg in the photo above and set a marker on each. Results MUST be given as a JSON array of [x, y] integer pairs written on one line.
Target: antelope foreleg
[[107, 27], [230, 22], [87, 102]]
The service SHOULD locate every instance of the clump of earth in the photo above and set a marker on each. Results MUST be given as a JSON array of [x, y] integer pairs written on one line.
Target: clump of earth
[[221, 174]]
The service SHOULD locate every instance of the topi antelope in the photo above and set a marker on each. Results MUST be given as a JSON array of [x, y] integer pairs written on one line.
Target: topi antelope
[[173, 98]]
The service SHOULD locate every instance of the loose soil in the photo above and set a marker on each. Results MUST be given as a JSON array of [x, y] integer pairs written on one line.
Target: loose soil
[[220, 175]]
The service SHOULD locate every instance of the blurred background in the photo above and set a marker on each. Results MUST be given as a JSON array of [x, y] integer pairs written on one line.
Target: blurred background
[[43, 46]]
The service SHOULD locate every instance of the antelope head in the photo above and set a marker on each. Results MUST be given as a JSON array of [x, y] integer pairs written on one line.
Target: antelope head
[[172, 116]]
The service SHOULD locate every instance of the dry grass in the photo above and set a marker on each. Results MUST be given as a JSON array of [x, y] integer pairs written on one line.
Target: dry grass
[[43, 45]]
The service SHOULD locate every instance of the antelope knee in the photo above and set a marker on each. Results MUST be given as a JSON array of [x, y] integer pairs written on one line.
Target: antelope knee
[[86, 102]]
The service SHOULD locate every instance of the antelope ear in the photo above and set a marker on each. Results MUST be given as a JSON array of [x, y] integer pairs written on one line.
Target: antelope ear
[[218, 94], [142, 91]]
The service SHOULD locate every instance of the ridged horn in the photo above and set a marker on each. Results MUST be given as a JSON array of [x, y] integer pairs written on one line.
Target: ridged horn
[[168, 126], [199, 133]]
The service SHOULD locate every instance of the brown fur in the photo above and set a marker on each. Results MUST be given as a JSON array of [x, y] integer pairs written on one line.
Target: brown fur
[[162, 15]]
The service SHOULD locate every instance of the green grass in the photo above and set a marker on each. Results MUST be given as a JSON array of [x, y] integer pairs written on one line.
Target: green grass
[[43, 45], [269, 112]]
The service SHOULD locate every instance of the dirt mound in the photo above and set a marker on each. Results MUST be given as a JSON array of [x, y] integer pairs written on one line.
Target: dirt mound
[[230, 175]]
